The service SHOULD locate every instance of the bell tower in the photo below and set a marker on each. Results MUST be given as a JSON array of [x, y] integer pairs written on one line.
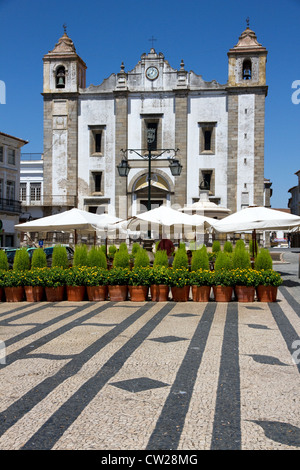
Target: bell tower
[[64, 75], [247, 61], [247, 91]]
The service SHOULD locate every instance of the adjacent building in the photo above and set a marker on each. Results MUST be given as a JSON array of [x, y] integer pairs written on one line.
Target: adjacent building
[[218, 129], [294, 201], [10, 207]]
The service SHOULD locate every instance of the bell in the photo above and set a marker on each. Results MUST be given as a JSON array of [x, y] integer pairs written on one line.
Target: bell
[[61, 81], [247, 74]]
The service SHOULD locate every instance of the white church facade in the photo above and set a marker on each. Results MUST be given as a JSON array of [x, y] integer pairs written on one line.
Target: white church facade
[[215, 131]]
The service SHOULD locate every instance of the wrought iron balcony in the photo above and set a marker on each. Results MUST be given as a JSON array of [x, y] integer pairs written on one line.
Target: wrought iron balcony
[[10, 205]]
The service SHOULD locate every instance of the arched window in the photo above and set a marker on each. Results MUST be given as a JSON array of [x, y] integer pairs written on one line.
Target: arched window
[[60, 77], [247, 69]]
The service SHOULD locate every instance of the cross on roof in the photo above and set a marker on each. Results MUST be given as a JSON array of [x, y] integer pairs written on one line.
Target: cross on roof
[[152, 39]]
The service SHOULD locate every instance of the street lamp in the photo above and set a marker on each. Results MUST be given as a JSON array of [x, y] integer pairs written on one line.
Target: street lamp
[[175, 166]]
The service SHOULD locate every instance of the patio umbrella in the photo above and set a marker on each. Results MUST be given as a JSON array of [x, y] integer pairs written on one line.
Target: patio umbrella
[[73, 219], [257, 218]]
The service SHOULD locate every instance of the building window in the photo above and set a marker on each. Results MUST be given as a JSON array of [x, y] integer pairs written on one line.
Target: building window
[[61, 77], [1, 154], [96, 182], [35, 191], [207, 137], [10, 191], [11, 156], [207, 181], [1, 189], [23, 191], [97, 140]]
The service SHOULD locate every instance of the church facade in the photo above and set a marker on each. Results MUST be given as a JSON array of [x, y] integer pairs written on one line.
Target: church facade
[[216, 131]]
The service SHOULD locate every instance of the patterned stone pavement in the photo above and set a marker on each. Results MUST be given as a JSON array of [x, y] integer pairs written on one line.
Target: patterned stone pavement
[[152, 376]]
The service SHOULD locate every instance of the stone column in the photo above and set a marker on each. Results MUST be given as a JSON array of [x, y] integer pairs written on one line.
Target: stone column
[[121, 142], [259, 137], [181, 113], [232, 151]]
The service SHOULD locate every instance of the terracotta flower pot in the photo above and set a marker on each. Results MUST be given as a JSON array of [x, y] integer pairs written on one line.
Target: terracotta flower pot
[[201, 293], [97, 293], [180, 294], [34, 293], [55, 294], [14, 294], [117, 293], [159, 292], [245, 293], [222, 293], [76, 293], [138, 293], [1, 293], [266, 293]]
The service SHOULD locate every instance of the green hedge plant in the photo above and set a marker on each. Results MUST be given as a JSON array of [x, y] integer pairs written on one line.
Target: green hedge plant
[[180, 259], [263, 260], [161, 258], [200, 259], [96, 257], [60, 257], [223, 261], [39, 259], [80, 255], [141, 259], [3, 261], [21, 260]]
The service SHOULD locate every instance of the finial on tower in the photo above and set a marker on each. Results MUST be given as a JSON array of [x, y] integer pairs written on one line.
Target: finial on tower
[[248, 21], [65, 28]]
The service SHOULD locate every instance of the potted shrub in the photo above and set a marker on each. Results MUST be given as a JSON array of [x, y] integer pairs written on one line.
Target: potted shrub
[[34, 284], [200, 259], [60, 257], [39, 259], [96, 283], [228, 247], [216, 247], [121, 257], [269, 281], [141, 259], [80, 256], [117, 281], [139, 282], [4, 266], [13, 283], [54, 282], [181, 259], [161, 258], [246, 281], [223, 261], [263, 260], [21, 260], [179, 282], [76, 283], [201, 282], [96, 258], [222, 284], [241, 259], [160, 278], [3, 261]]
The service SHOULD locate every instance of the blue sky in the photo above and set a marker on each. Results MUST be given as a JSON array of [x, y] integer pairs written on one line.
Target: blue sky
[[199, 32]]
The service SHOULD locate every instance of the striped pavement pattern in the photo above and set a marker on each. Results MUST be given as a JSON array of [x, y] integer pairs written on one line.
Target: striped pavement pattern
[[150, 376]]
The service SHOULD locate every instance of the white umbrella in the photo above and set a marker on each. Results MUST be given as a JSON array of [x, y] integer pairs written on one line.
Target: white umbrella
[[167, 216], [74, 219], [257, 218], [69, 220]]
